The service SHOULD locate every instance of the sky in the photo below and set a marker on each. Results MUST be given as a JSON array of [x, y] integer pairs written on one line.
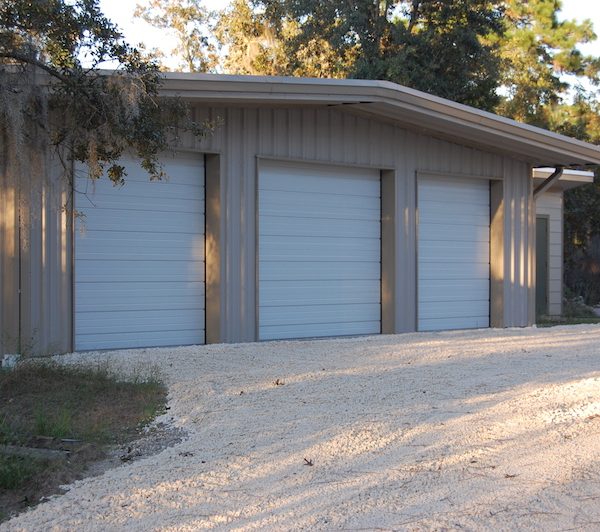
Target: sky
[[121, 13]]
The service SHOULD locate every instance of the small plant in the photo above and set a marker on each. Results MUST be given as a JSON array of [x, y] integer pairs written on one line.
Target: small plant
[[15, 471], [59, 425], [6, 433], [576, 308], [56, 408]]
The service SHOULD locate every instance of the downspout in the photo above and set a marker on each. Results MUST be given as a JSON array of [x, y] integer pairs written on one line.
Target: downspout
[[548, 182]]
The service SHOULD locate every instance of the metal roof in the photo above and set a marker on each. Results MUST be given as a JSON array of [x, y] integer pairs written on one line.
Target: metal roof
[[568, 180], [391, 102]]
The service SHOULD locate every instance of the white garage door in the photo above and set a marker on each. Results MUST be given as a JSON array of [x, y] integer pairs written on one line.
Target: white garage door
[[319, 251], [453, 253], [139, 259]]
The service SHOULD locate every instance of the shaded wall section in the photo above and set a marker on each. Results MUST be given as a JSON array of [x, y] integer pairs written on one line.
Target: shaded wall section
[[36, 239], [9, 254], [35, 256], [334, 135], [550, 204]]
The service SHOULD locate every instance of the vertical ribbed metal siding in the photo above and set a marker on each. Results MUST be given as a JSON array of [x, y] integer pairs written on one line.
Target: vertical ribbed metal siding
[[338, 137], [551, 204], [9, 256], [46, 282], [328, 135], [35, 246], [519, 239]]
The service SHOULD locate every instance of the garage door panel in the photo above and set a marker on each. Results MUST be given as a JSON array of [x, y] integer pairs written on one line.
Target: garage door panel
[[461, 251], [160, 338], [143, 221], [319, 180], [133, 246], [140, 301], [458, 219], [476, 322], [139, 260], [334, 212], [453, 271], [316, 314], [120, 321], [458, 309], [103, 190], [453, 290], [181, 170], [318, 271], [468, 195], [294, 293], [279, 332], [139, 296], [323, 249], [448, 184], [136, 271], [314, 227], [141, 203], [336, 206], [453, 253], [319, 251], [459, 208], [451, 231]]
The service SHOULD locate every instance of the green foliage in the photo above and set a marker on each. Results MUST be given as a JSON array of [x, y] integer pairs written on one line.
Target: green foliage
[[536, 49], [432, 45], [582, 239], [17, 470], [581, 220], [52, 92], [53, 424], [46, 399], [254, 45], [189, 20]]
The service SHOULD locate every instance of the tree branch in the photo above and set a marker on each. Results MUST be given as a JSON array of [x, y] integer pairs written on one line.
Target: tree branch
[[36, 62]]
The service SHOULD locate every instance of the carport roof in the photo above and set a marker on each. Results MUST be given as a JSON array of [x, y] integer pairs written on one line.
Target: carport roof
[[391, 102]]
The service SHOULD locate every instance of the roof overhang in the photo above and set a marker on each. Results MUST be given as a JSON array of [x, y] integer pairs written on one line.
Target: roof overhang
[[568, 180], [391, 102]]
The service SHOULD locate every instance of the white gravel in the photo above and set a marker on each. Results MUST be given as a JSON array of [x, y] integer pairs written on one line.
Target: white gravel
[[494, 429]]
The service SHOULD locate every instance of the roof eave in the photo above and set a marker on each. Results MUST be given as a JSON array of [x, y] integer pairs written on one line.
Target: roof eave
[[385, 99]]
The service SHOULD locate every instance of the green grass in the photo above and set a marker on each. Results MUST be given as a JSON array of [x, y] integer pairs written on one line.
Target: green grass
[[89, 403], [553, 322], [55, 425], [16, 471], [79, 409]]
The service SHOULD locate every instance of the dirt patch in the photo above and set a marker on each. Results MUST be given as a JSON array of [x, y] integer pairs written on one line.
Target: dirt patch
[[60, 424]]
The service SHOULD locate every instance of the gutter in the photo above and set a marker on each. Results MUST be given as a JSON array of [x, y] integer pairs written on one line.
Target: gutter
[[548, 182]]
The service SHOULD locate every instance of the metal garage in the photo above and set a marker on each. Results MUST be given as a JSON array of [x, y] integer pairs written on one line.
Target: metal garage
[[139, 258], [453, 253], [319, 251], [327, 243]]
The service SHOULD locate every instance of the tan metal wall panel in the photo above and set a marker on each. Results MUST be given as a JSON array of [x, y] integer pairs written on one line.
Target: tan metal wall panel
[[551, 204], [9, 255], [46, 281], [519, 239], [330, 135], [335, 136], [35, 256]]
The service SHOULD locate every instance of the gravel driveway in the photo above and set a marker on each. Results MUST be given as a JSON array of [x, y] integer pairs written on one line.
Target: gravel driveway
[[494, 429]]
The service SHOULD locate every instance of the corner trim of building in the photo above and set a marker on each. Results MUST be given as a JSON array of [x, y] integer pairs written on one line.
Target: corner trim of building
[[497, 254], [214, 332]]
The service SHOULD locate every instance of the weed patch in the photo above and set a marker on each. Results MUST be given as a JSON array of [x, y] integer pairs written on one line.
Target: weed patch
[[16, 471], [553, 322], [79, 411]]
